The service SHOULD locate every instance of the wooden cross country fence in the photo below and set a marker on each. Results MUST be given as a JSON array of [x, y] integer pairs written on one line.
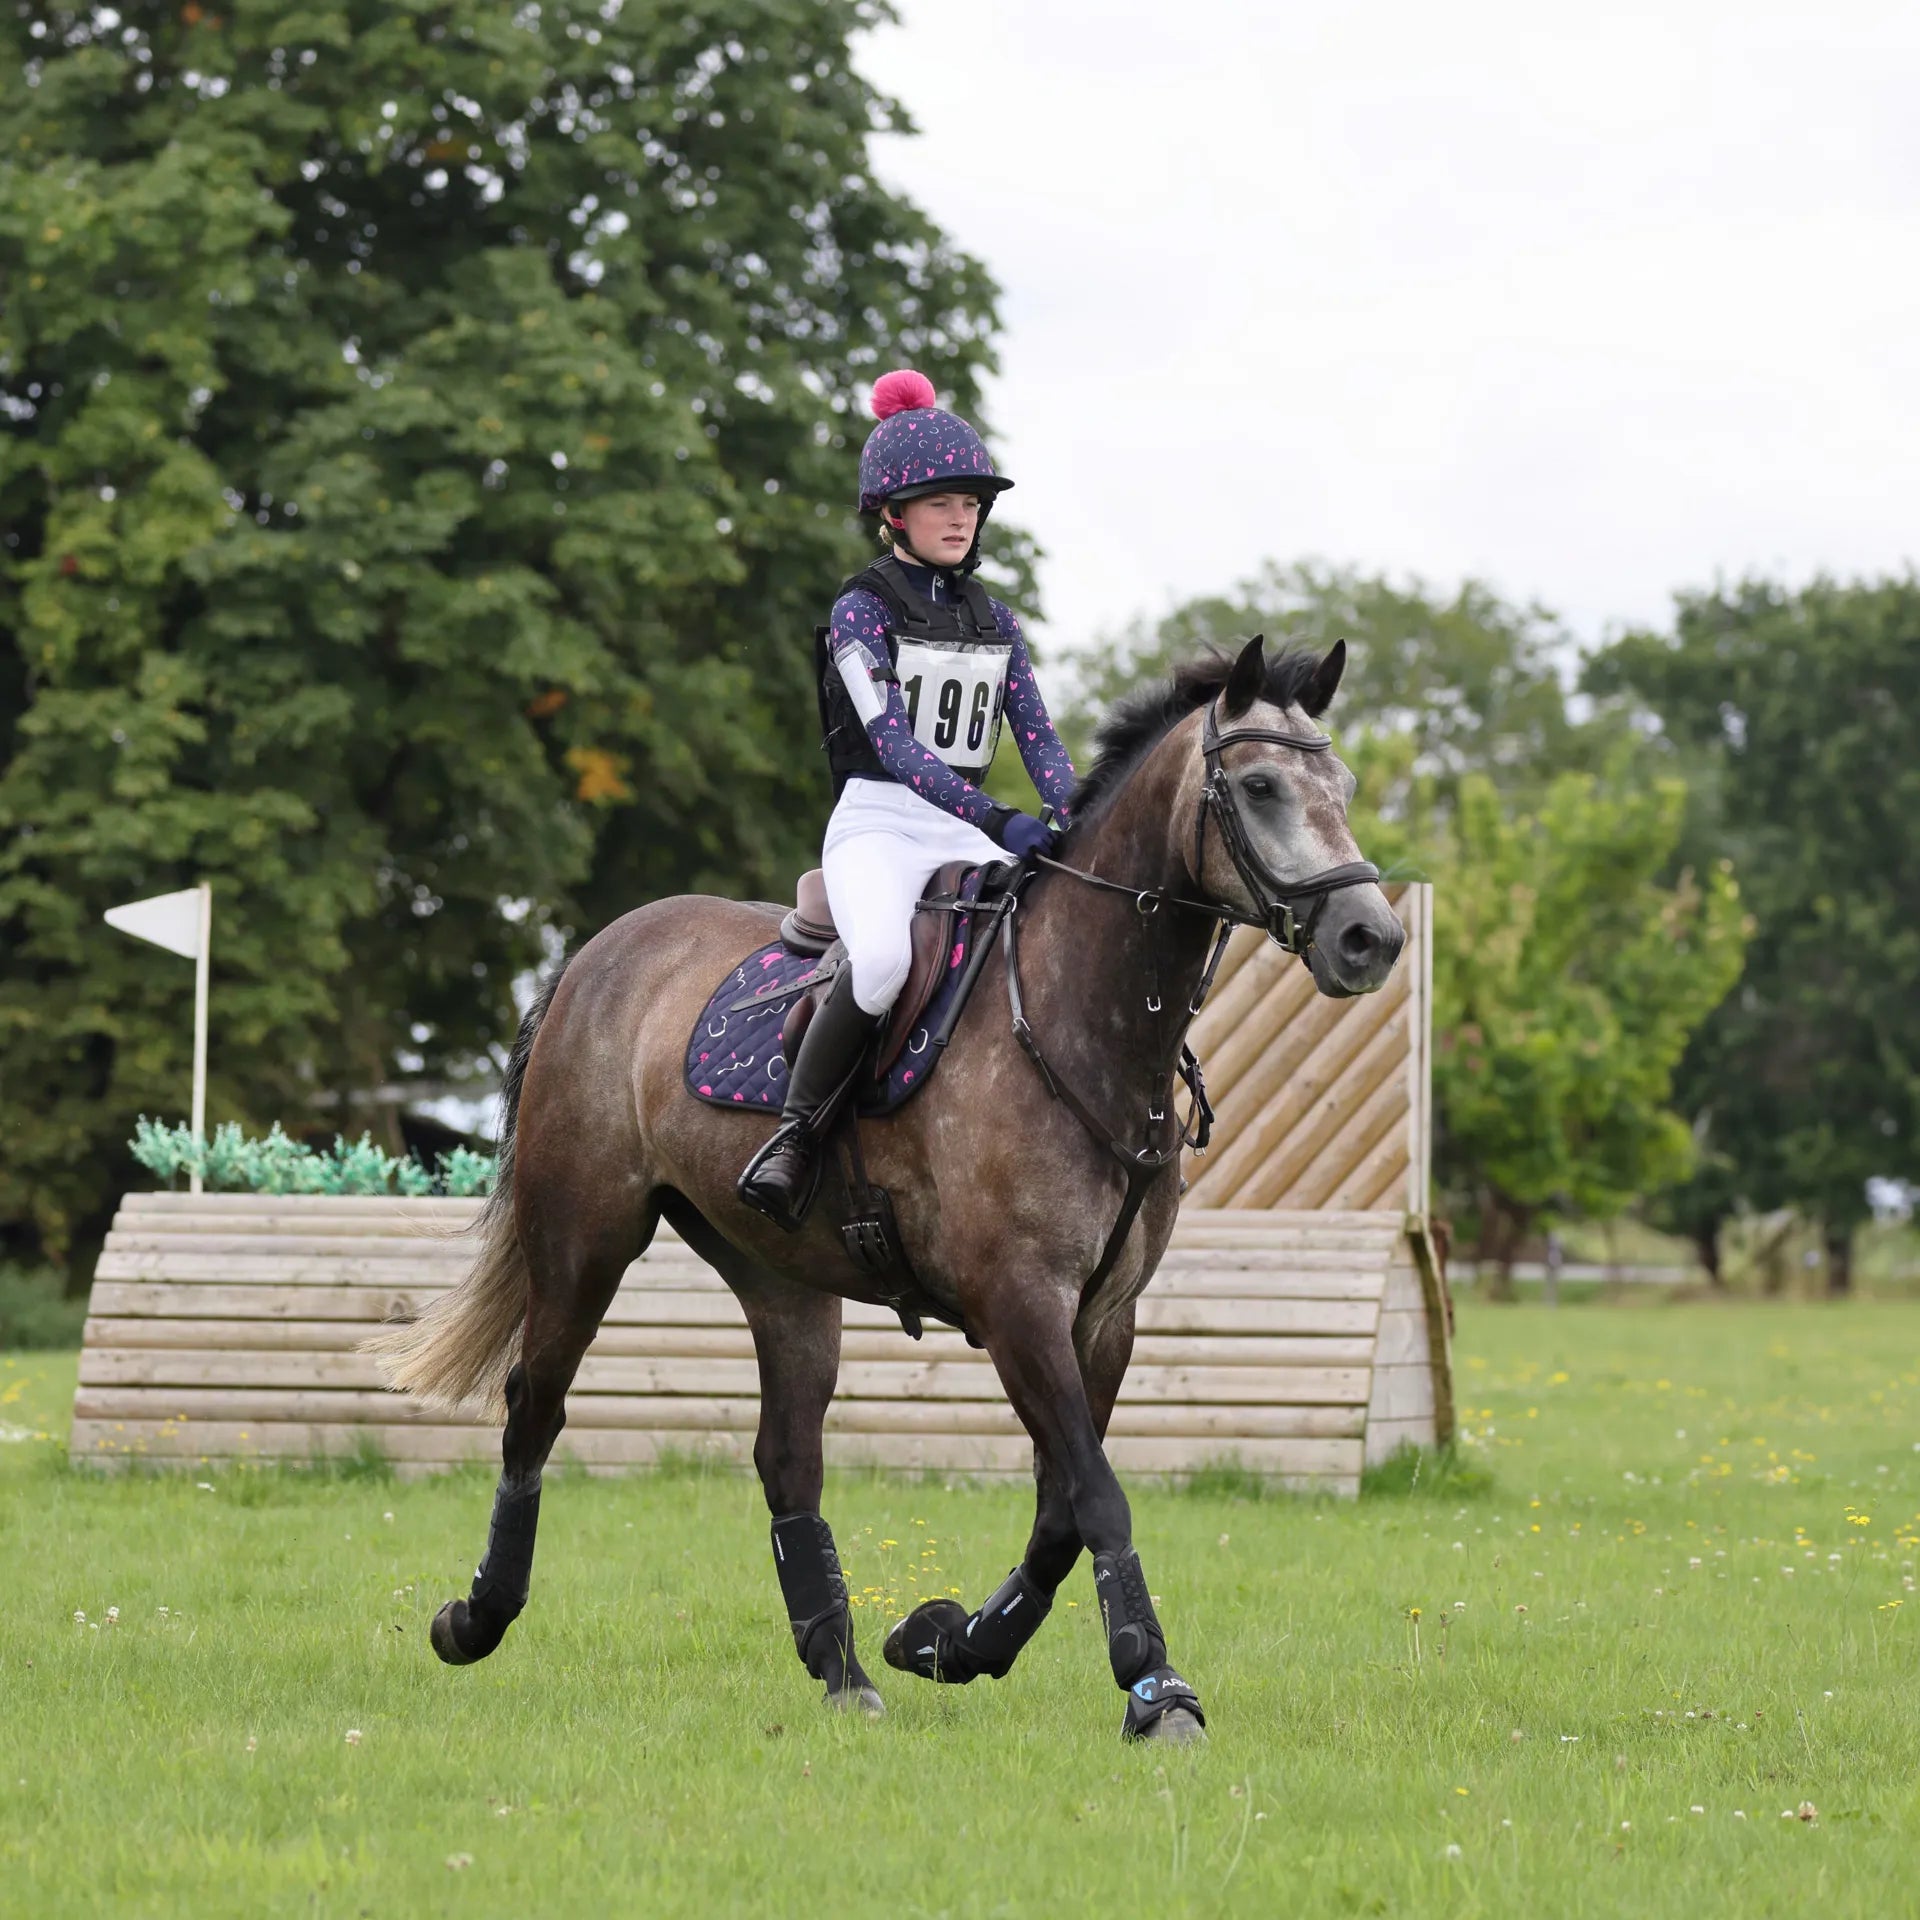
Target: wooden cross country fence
[[1297, 1327]]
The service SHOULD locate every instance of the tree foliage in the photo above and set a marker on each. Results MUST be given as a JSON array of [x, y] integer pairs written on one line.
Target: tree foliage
[[1791, 715], [1567, 976], [1436, 686], [1567, 980], [424, 434]]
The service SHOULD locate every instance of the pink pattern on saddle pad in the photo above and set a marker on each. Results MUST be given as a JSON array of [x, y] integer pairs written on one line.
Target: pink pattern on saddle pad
[[734, 1055]]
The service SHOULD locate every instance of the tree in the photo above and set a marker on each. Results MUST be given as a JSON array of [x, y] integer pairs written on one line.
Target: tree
[[426, 441], [1792, 716], [1567, 981], [1566, 978], [1437, 686]]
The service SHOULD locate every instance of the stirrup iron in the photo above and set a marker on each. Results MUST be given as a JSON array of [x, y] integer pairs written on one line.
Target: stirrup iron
[[802, 1137]]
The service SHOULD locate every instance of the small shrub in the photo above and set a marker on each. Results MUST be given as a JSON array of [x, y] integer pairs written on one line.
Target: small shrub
[[362, 1167], [412, 1178], [227, 1162], [231, 1163], [281, 1165], [465, 1173], [165, 1152]]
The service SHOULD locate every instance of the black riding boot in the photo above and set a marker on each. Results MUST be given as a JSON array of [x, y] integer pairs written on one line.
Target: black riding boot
[[780, 1179]]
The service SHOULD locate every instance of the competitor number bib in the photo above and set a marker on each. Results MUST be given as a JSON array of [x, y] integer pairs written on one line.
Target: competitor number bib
[[954, 696]]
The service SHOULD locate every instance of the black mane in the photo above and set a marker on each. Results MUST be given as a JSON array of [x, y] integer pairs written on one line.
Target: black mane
[[1138, 721]]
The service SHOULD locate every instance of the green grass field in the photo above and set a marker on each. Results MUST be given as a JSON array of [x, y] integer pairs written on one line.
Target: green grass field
[[1667, 1600]]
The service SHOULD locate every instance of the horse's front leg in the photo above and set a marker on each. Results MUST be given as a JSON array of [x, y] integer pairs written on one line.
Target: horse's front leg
[[1030, 1339], [939, 1640], [796, 1338]]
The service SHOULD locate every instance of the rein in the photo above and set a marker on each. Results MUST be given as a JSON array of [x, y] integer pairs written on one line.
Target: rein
[[1278, 917]]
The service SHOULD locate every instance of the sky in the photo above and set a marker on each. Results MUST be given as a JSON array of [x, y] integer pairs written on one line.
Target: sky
[[1591, 305]]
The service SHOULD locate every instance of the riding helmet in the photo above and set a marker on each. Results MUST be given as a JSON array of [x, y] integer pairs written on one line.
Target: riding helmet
[[919, 448]]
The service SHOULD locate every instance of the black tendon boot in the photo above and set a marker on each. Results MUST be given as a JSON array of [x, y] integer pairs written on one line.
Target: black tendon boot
[[780, 1179], [467, 1630], [940, 1641], [1160, 1705], [815, 1591]]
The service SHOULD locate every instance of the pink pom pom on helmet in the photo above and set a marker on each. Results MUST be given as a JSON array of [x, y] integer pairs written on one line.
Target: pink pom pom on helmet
[[899, 391], [917, 448]]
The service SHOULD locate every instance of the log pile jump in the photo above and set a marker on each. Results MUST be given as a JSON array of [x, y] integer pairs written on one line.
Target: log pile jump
[[1296, 1328]]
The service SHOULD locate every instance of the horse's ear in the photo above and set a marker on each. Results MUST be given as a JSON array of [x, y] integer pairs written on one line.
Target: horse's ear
[[1319, 691], [1245, 681]]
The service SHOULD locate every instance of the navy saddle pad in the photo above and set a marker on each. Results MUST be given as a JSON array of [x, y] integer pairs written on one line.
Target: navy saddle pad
[[734, 1057]]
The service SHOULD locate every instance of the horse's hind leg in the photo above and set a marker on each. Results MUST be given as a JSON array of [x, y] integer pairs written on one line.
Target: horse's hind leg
[[796, 1339], [796, 1336], [574, 1270]]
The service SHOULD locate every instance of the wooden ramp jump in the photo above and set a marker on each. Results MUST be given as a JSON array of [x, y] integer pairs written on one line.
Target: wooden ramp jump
[[223, 1327], [1298, 1342], [1323, 1103]]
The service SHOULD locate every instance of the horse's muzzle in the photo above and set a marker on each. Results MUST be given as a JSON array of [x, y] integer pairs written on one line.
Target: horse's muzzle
[[1355, 944]]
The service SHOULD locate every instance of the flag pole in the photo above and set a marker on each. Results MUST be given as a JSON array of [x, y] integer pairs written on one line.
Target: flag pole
[[200, 972]]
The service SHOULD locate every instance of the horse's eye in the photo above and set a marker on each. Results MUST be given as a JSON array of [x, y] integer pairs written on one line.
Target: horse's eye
[[1257, 786]]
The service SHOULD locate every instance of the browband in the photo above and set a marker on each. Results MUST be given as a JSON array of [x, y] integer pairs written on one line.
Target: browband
[[1213, 739]]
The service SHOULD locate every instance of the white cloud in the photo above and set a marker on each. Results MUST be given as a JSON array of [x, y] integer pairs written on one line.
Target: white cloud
[[1594, 306]]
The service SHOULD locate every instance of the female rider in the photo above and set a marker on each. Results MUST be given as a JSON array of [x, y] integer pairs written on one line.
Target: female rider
[[916, 669]]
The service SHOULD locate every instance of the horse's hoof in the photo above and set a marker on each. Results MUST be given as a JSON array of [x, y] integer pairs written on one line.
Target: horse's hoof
[[924, 1642], [441, 1633], [458, 1638], [865, 1701], [1177, 1728]]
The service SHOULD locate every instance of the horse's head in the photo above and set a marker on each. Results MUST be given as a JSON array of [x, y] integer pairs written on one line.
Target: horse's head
[[1273, 845]]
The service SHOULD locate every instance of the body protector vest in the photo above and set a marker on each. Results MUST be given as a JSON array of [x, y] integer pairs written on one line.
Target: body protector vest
[[950, 661]]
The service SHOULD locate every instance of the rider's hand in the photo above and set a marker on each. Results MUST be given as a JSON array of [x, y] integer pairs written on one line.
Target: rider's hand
[[1020, 833]]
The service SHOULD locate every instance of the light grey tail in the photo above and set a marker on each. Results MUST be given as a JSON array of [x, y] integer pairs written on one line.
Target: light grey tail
[[458, 1352]]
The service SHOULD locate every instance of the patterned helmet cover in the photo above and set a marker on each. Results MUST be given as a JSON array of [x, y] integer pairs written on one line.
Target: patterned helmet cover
[[919, 448]]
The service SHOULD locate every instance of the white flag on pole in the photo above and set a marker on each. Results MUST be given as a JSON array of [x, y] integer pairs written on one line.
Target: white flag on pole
[[182, 923], [170, 920]]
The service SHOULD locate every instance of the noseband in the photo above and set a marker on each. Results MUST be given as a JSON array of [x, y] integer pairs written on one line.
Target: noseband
[[1281, 916]]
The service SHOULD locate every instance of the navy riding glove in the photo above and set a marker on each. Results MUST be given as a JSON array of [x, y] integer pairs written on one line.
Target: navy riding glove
[[1020, 833]]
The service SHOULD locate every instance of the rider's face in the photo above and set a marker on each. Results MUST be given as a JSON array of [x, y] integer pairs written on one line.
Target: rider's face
[[939, 527]]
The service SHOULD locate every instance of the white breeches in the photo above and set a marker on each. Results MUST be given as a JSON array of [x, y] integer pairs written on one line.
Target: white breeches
[[884, 843]]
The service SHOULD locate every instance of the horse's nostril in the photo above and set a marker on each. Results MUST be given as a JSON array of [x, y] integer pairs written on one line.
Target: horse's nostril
[[1358, 944]]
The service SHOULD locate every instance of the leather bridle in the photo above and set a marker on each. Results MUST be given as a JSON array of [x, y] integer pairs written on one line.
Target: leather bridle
[[1280, 899], [1277, 902], [1278, 914]]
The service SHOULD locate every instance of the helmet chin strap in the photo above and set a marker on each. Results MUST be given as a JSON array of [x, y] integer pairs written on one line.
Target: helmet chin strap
[[897, 525]]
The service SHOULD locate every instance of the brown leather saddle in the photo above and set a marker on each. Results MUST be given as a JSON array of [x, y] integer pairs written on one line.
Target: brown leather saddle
[[809, 928]]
